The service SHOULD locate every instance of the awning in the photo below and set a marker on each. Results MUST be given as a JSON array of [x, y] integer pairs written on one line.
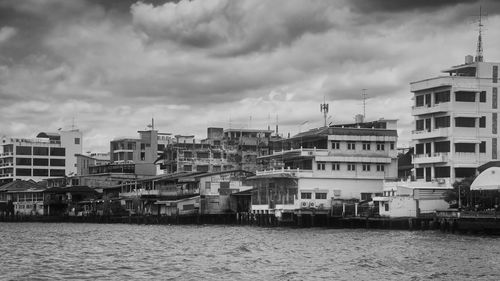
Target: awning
[[463, 140], [489, 179]]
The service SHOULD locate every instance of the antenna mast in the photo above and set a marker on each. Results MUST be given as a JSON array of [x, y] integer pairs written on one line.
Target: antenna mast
[[324, 108], [364, 95], [479, 51]]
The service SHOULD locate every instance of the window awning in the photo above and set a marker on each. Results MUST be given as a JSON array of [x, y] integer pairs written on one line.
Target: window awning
[[467, 141]]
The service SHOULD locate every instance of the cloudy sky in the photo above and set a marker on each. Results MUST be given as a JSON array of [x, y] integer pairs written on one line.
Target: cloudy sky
[[112, 65]]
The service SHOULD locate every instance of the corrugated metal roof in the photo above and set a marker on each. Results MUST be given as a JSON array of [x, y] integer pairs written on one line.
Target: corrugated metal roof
[[21, 185]]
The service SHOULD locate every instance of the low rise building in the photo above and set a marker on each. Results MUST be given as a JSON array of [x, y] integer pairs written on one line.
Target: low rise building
[[404, 199]]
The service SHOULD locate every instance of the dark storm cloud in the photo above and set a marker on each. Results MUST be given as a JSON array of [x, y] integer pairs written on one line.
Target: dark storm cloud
[[232, 27], [403, 5]]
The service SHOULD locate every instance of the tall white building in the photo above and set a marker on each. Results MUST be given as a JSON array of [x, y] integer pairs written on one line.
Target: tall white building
[[48, 155], [456, 121]]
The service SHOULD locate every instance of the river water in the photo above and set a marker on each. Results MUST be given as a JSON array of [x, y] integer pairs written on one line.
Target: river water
[[38, 251]]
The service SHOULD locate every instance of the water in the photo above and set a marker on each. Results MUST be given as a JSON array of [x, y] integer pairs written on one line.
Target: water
[[37, 251]]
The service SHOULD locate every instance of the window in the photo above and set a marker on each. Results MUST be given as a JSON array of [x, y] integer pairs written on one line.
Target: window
[[419, 148], [392, 145], [351, 146], [202, 154], [143, 146], [466, 122], [420, 173], [419, 125], [23, 161], [77, 140], [442, 122], [40, 162], [366, 167], [23, 172], [380, 167], [419, 100], [442, 146], [187, 168], [23, 150], [494, 120], [335, 145], [207, 185], [482, 96], [482, 122], [366, 196], [366, 146], [57, 151], [40, 172], [320, 195], [57, 173], [217, 155], [464, 96], [188, 154], [305, 195], [335, 166], [40, 150], [321, 166], [380, 146], [386, 207], [494, 99], [143, 156], [202, 168], [351, 167], [442, 97], [465, 147], [57, 162], [482, 147], [495, 74]]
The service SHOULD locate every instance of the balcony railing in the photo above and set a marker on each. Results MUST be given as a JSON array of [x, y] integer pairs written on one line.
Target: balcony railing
[[428, 109], [437, 157], [427, 134]]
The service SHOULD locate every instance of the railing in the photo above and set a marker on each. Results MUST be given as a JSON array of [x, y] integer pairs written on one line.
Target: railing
[[6, 154], [281, 171]]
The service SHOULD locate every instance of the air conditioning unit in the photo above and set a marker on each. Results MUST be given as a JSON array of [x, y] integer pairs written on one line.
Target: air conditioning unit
[[440, 181], [312, 204], [321, 206], [304, 204]]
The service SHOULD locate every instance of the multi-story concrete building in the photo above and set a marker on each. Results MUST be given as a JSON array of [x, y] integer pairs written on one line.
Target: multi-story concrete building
[[48, 155], [456, 121], [141, 152], [324, 167]]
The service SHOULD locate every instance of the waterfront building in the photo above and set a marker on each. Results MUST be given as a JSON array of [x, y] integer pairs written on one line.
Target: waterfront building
[[48, 155], [183, 193], [456, 121], [22, 197], [222, 150], [403, 199], [324, 167]]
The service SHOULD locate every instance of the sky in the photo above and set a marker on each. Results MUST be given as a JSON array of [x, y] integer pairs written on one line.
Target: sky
[[107, 67]]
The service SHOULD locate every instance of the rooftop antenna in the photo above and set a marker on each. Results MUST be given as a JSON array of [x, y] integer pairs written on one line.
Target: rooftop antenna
[[324, 108], [277, 123], [479, 51], [364, 95]]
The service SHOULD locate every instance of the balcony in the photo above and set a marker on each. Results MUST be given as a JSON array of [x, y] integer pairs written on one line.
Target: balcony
[[436, 133], [440, 107], [438, 157]]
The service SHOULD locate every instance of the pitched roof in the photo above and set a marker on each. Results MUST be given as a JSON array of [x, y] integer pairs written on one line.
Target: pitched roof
[[20, 185]]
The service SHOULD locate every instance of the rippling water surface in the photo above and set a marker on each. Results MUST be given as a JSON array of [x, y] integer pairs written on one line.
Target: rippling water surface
[[32, 251]]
